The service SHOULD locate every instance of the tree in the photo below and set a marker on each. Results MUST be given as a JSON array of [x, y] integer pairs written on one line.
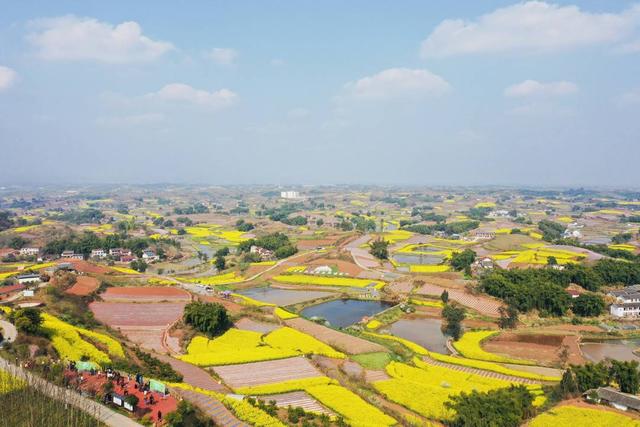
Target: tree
[[453, 316], [209, 318], [508, 317], [138, 265], [444, 296], [220, 263], [462, 260], [27, 320], [379, 248], [506, 407], [551, 261], [588, 305], [224, 251], [584, 377], [319, 222], [132, 400], [186, 415], [626, 375]]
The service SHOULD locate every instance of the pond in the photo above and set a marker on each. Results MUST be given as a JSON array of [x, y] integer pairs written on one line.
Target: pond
[[420, 259], [612, 349], [282, 296], [344, 312], [425, 332]]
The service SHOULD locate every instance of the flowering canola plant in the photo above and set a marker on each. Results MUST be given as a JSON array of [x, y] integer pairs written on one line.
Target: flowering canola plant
[[435, 385], [68, 343], [571, 416], [241, 408], [469, 347], [239, 346], [285, 386], [357, 412], [327, 281]]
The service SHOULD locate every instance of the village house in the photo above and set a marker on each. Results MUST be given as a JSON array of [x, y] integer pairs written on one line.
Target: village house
[[323, 269], [484, 234], [150, 256], [627, 302], [28, 278], [119, 252], [98, 253], [29, 251], [265, 254], [614, 398], [71, 255]]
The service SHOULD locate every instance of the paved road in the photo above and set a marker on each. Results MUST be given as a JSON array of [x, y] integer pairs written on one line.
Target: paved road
[[100, 412], [9, 331]]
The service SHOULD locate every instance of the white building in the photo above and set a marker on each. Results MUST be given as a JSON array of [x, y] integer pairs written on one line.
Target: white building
[[289, 194], [29, 251], [98, 253], [28, 278], [627, 302], [150, 256]]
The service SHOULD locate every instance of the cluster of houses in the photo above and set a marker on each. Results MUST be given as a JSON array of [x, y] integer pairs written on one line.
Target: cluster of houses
[[627, 302], [264, 254], [117, 254]]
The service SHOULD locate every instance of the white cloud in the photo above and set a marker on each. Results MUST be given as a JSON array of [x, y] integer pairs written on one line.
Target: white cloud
[[533, 26], [630, 47], [397, 83], [536, 88], [7, 77], [222, 56], [298, 113], [73, 38], [277, 62], [180, 92], [631, 97], [130, 120]]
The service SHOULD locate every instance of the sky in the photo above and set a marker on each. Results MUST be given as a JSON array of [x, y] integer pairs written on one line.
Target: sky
[[320, 92]]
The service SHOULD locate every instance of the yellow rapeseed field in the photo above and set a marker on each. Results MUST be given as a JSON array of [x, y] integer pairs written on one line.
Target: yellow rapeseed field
[[67, 341], [571, 416], [469, 347], [305, 279], [357, 412], [239, 346]]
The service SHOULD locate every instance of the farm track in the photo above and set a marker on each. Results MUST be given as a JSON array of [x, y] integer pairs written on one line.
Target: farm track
[[482, 304], [194, 375], [213, 408], [480, 372], [339, 340]]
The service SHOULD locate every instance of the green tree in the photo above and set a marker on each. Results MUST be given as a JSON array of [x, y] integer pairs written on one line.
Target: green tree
[[186, 415], [462, 260], [626, 375], [444, 296], [209, 318], [220, 263], [552, 261], [506, 407], [27, 320], [453, 316], [379, 248], [508, 317], [588, 305]]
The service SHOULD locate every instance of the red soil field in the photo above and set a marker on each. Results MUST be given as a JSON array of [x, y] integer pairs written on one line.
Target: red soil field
[[87, 267], [132, 314], [84, 286], [145, 294], [144, 324]]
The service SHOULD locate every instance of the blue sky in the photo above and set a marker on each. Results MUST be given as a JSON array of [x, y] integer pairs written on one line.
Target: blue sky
[[410, 92]]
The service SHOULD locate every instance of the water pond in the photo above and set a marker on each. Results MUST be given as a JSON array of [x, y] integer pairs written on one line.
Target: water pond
[[282, 296], [344, 312], [612, 349], [425, 332], [419, 259]]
